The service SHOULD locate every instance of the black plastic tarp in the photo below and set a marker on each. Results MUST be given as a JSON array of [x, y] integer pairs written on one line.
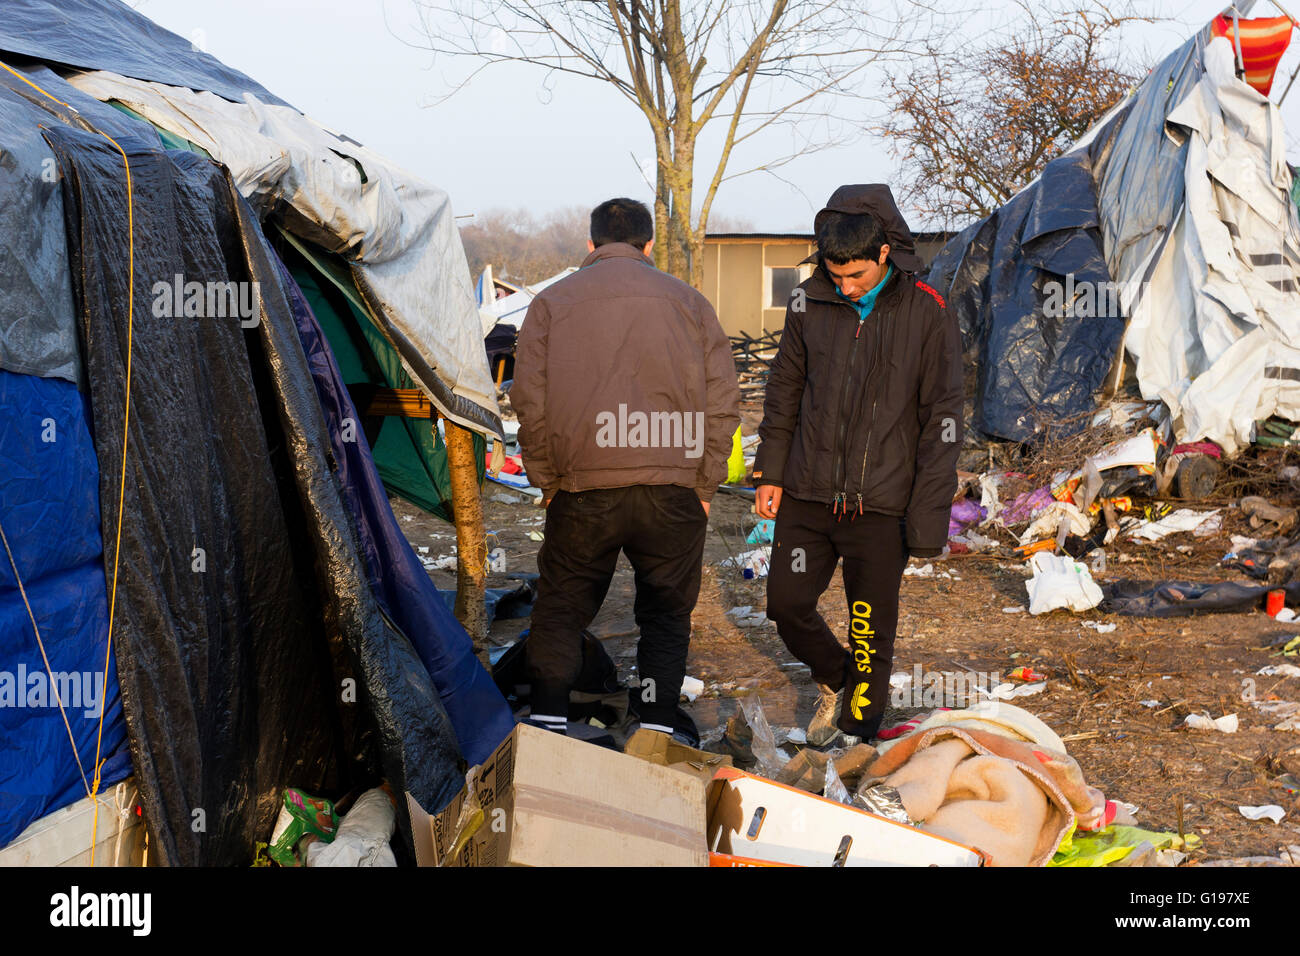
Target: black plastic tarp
[[242, 608], [1037, 364], [109, 35], [1184, 598], [1095, 216], [37, 333]]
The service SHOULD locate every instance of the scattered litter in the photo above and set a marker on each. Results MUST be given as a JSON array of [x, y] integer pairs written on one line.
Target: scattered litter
[[1267, 516], [1286, 711], [1127, 810], [1226, 724], [1060, 582], [301, 815], [423, 549], [972, 541], [1019, 609], [406, 517], [746, 616], [834, 788], [1284, 616], [753, 564], [1149, 703], [1026, 674], [1008, 691], [884, 801], [536, 536], [1269, 811], [762, 742], [1050, 519], [1209, 527], [1279, 670], [762, 533], [362, 837], [796, 735], [506, 499], [1099, 626], [692, 687], [1184, 519]]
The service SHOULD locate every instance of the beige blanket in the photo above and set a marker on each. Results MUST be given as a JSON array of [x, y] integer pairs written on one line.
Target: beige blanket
[[1013, 799]]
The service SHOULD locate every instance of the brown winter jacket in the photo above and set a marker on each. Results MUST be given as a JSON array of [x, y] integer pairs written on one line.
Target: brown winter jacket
[[867, 414], [623, 376]]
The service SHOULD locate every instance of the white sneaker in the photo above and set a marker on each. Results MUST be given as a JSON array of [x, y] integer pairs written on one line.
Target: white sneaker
[[821, 729]]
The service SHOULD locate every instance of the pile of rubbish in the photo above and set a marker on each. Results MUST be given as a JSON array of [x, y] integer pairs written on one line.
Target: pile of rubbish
[[988, 785]]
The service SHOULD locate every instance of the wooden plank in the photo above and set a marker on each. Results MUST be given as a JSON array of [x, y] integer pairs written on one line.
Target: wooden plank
[[401, 402]]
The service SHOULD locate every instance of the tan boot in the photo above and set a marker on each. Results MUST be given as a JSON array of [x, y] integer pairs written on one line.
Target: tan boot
[[821, 729]]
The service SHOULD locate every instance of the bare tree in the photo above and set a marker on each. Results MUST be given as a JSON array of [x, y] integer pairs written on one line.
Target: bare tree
[[750, 65], [524, 248], [975, 126]]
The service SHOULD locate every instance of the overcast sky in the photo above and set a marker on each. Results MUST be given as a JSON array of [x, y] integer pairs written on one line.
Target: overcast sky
[[505, 142]]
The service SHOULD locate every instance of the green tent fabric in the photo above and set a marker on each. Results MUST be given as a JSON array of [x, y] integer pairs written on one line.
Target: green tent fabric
[[409, 452]]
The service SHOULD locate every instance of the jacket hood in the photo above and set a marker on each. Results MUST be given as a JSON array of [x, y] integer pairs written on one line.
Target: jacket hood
[[876, 199]]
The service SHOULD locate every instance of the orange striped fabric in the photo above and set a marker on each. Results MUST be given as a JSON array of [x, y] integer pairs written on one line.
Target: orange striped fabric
[[1263, 41]]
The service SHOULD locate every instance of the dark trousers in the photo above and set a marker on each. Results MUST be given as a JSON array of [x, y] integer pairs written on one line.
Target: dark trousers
[[807, 542], [661, 530]]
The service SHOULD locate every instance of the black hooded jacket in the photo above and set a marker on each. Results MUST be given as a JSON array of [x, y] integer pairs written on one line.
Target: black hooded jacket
[[867, 415]]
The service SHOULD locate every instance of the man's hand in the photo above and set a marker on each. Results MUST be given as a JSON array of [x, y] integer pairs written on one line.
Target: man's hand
[[767, 499], [705, 505]]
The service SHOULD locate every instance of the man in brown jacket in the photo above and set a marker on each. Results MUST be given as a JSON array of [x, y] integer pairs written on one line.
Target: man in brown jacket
[[626, 394]]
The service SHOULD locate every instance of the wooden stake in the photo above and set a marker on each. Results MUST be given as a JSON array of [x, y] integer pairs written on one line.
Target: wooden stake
[[471, 541]]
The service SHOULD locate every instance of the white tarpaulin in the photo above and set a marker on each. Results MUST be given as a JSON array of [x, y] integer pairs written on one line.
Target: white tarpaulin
[[1216, 330], [511, 309], [396, 231]]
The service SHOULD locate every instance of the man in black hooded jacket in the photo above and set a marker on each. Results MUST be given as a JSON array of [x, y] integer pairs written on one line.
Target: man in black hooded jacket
[[859, 441]]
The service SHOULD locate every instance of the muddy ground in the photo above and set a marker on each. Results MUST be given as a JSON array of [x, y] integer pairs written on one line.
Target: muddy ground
[[1178, 778]]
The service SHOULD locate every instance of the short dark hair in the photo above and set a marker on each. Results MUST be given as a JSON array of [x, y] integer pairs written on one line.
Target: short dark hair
[[622, 220], [843, 237]]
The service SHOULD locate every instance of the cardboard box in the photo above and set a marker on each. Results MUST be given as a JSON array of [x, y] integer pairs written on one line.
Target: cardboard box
[[756, 822], [543, 799], [663, 751]]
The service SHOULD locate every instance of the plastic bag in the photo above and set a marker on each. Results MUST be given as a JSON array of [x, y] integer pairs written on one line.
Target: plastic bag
[[1059, 581], [302, 814], [363, 835]]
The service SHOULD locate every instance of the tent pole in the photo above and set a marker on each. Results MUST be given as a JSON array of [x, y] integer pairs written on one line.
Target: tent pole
[[471, 541]]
